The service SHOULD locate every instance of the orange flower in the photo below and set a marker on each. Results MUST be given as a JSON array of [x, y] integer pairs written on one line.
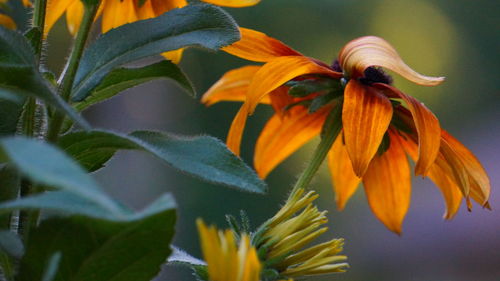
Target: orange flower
[[119, 12], [378, 130]]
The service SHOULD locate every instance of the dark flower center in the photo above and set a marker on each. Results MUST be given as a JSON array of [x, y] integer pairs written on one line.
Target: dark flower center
[[375, 75]]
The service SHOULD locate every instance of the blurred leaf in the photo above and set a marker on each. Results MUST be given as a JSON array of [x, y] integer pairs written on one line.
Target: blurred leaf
[[9, 115], [9, 188], [103, 250], [52, 267], [204, 157], [45, 164], [194, 25], [11, 244], [181, 258], [19, 74], [123, 78]]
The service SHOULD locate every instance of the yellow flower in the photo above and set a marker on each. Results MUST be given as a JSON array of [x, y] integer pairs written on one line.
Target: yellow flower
[[380, 123], [286, 235], [115, 13], [227, 261]]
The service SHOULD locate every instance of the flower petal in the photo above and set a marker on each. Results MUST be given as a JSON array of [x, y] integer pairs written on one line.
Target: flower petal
[[345, 181], [174, 56], [279, 71], [117, 13], [233, 3], [366, 115], [440, 173], [280, 99], [235, 134], [283, 136], [232, 86], [428, 128], [257, 46], [74, 16], [55, 9], [480, 183], [387, 185], [7, 22], [361, 53], [162, 6]]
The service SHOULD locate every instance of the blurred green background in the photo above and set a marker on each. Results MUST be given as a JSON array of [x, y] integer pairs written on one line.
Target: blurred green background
[[458, 39]]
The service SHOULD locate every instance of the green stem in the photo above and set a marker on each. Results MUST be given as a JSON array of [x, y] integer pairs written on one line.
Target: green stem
[[39, 21], [331, 129], [71, 68]]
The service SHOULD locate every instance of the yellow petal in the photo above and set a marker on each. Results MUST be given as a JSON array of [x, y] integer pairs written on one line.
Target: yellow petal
[[146, 11], [440, 173], [174, 56], [480, 182], [279, 71], [117, 13], [361, 53], [257, 46], [233, 140], [366, 115], [162, 6], [387, 185], [55, 9], [232, 86], [233, 3], [283, 136], [428, 128], [27, 3], [345, 181], [7, 22], [74, 16]]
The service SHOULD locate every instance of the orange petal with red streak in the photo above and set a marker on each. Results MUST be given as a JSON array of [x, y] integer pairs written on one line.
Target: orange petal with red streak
[[233, 3], [280, 99], [428, 128], [257, 46], [440, 173], [232, 86], [345, 181], [366, 115], [236, 131], [361, 53], [480, 182], [387, 185], [279, 71], [283, 136]]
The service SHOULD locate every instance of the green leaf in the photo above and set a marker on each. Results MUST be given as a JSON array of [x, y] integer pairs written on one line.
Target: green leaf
[[102, 250], [47, 165], [11, 244], [52, 267], [19, 73], [123, 78], [194, 25], [204, 157], [9, 188], [10, 113]]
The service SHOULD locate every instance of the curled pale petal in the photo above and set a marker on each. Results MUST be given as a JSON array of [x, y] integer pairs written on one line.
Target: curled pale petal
[[366, 115], [7, 22], [235, 134], [257, 46], [361, 53], [479, 180], [428, 129], [440, 173], [283, 136], [232, 86], [387, 185], [279, 71], [55, 9], [74, 16], [174, 56], [345, 181], [117, 13], [233, 3]]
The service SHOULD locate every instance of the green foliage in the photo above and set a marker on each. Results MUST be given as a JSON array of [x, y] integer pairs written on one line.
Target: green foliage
[[124, 78], [204, 157], [132, 248], [19, 73], [194, 25]]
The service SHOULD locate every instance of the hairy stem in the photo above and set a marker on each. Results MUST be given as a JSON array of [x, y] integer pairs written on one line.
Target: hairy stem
[[69, 73]]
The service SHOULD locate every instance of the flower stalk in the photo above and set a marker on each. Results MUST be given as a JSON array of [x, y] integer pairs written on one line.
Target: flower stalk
[[68, 75]]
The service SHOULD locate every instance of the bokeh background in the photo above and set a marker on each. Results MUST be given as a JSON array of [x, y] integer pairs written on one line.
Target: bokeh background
[[458, 39]]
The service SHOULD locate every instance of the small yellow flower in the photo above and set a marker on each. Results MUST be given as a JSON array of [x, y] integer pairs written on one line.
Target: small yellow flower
[[227, 261], [287, 234], [115, 13]]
